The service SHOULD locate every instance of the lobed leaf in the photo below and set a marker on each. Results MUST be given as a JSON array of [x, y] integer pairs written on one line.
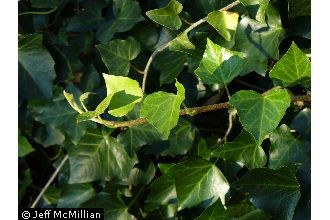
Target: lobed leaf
[[224, 22]]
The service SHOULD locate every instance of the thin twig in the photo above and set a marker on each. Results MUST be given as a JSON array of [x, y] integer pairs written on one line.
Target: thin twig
[[38, 12], [137, 69], [191, 27], [232, 114], [51, 179], [186, 111]]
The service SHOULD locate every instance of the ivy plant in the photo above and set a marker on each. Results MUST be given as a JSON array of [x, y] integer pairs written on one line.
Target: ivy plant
[[166, 109]]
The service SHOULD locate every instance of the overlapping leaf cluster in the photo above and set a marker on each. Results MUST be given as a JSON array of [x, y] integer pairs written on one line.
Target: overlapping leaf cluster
[[110, 85]]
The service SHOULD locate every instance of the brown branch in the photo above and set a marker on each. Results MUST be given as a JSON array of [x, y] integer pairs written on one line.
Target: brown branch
[[187, 111]]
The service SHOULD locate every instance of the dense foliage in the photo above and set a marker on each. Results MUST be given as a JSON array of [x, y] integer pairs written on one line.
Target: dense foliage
[[166, 109]]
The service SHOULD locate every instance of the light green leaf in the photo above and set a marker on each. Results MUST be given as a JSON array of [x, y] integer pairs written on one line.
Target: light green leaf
[[181, 43], [60, 115], [214, 212], [127, 14], [85, 116], [260, 114], [167, 16], [224, 22], [24, 147], [93, 159], [71, 100], [299, 8], [219, 65], [170, 64], [125, 94], [243, 149], [35, 68], [256, 8], [286, 149], [259, 42], [275, 191], [197, 180], [162, 109], [104, 104], [292, 69], [51, 196], [75, 194], [114, 206], [82, 98], [117, 54]]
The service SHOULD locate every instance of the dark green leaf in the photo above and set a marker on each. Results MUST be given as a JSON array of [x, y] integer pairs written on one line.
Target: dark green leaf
[[197, 180], [24, 147], [275, 191], [243, 149], [255, 215], [260, 114], [117, 55], [299, 8], [214, 212], [75, 194], [51, 196], [302, 123], [256, 8], [35, 68], [114, 207], [46, 4], [162, 109], [93, 159], [142, 174], [48, 136], [167, 16], [127, 14], [285, 149], [292, 69], [86, 20]]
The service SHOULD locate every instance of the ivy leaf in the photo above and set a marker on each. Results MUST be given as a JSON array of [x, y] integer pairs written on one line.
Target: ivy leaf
[[245, 211], [93, 158], [162, 109], [75, 194], [243, 149], [114, 207], [35, 78], [24, 147], [302, 123], [214, 212], [46, 4], [47, 136], [255, 215], [117, 55], [170, 64], [299, 8], [219, 65], [62, 116], [292, 69], [258, 12], [127, 15], [224, 22], [260, 114], [162, 192], [205, 181], [167, 16], [259, 42], [182, 43], [275, 191], [286, 149], [143, 173]]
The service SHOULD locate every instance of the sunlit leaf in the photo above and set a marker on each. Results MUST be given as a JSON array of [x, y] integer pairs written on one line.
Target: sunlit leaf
[[224, 22]]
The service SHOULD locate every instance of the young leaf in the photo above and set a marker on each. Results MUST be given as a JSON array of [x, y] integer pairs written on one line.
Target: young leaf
[[224, 22], [292, 69], [275, 191], [257, 12], [35, 68], [286, 149], [93, 158], [162, 109], [219, 65], [167, 16], [243, 149], [127, 14], [260, 114], [205, 181], [117, 54], [182, 43], [214, 212], [75, 194]]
